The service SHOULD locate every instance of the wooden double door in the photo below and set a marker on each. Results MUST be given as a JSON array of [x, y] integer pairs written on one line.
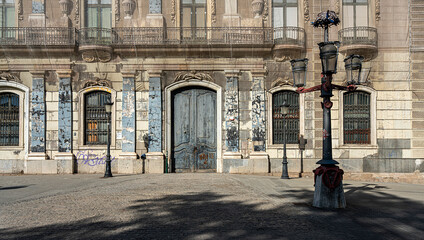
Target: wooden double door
[[194, 130]]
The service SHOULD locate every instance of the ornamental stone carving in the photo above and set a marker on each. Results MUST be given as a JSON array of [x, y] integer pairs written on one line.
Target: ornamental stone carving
[[8, 77], [377, 10], [279, 82], [96, 82], [257, 7], [173, 4], [117, 11], [65, 6], [129, 7], [306, 12], [192, 75], [96, 56], [77, 2], [213, 11], [20, 12]]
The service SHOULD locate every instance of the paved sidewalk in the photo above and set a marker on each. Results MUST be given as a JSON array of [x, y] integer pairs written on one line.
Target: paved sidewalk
[[202, 206]]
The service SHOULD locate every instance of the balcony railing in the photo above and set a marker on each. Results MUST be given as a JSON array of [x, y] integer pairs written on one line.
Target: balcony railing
[[289, 36], [37, 36], [209, 36], [358, 36], [95, 36]]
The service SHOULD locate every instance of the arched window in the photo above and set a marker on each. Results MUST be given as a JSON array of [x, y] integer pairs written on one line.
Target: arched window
[[292, 118], [356, 117], [355, 13], [9, 119], [284, 13], [96, 118]]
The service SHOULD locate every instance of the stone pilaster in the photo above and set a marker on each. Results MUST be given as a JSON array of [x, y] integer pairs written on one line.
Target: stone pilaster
[[65, 158], [155, 157], [65, 112], [232, 156], [36, 161], [128, 162], [259, 159], [258, 113], [38, 114], [232, 113]]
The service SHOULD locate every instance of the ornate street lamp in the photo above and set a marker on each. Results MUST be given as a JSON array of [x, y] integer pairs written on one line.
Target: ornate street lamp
[[328, 177], [353, 66], [299, 68], [284, 110], [108, 171]]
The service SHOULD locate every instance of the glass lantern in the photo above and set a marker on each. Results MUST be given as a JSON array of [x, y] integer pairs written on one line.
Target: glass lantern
[[299, 68], [353, 66], [328, 52]]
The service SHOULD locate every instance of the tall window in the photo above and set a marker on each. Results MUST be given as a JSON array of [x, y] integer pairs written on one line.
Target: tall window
[[284, 13], [193, 18], [355, 13], [98, 14], [356, 118], [292, 118], [96, 118], [7, 13], [9, 119]]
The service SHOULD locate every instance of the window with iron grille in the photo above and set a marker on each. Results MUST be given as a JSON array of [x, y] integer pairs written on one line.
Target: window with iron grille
[[292, 118], [356, 118], [9, 119], [96, 118]]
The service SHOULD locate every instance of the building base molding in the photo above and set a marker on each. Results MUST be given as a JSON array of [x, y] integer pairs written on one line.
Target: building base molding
[[129, 164], [65, 162], [232, 161], [154, 162], [259, 162], [37, 163]]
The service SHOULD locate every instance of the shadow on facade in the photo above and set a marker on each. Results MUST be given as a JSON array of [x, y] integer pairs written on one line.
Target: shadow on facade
[[209, 215]]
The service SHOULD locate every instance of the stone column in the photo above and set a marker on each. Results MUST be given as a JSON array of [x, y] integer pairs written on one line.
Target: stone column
[[155, 16], [259, 158], [128, 162], [37, 158], [232, 156], [155, 157], [65, 158]]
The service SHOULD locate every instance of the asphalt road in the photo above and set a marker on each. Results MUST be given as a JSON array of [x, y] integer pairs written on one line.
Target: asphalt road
[[202, 206]]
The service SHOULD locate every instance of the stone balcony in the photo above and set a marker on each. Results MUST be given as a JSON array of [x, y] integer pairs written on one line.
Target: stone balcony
[[49, 39], [359, 40], [99, 44]]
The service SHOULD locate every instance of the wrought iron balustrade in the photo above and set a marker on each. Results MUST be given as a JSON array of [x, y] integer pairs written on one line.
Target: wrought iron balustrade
[[358, 36], [37, 36], [95, 36], [289, 36], [188, 35]]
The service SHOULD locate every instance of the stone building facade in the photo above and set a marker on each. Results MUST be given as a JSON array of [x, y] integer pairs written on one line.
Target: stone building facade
[[197, 85]]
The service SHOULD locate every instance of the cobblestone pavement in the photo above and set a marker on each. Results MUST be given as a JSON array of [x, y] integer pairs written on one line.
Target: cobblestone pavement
[[201, 206]]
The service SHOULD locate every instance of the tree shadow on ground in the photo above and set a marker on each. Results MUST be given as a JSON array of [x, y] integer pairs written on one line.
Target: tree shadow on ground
[[209, 215]]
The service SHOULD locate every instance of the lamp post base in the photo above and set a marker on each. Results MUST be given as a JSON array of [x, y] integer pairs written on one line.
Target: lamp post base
[[329, 191]]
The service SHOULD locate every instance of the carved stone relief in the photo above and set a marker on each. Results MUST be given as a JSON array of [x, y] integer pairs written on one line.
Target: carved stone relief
[[77, 2], [96, 82], [96, 56], [377, 10], [173, 11], [8, 77], [213, 11], [117, 11], [279, 82], [337, 8], [20, 12], [306, 12], [192, 75]]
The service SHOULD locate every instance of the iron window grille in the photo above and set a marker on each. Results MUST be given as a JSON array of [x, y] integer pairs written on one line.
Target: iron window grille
[[9, 119], [356, 118], [96, 118], [292, 118]]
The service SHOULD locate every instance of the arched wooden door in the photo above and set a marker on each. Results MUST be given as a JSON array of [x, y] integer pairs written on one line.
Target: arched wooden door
[[194, 130]]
